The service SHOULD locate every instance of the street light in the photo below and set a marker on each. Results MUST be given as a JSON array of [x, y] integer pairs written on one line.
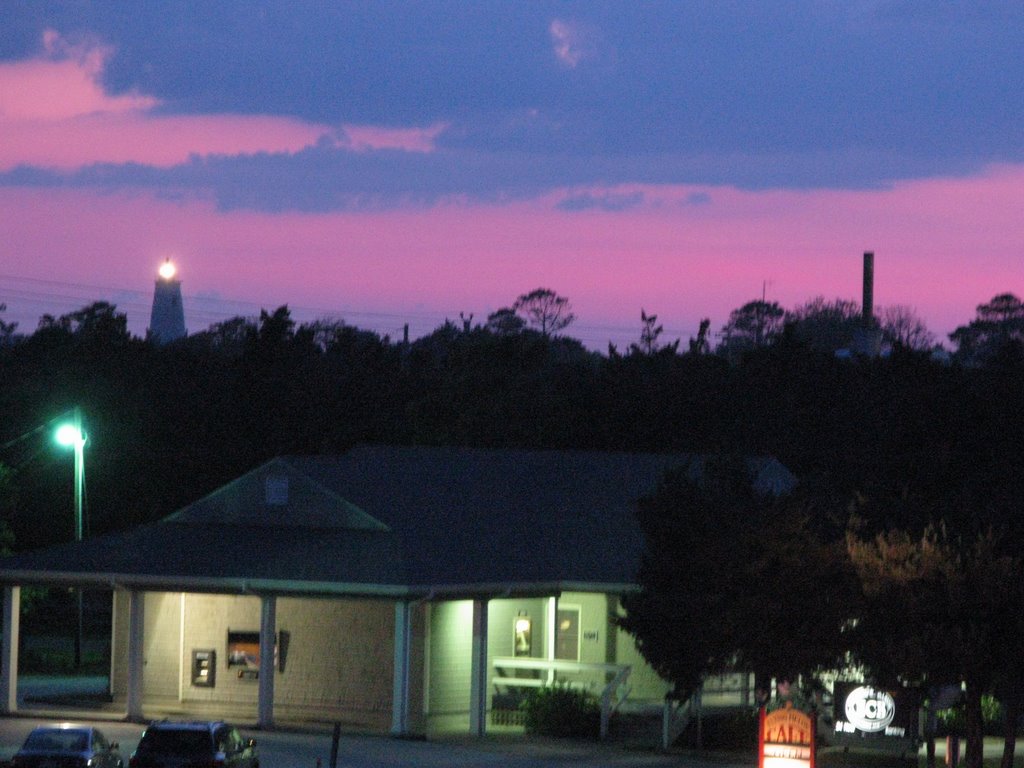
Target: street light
[[71, 435]]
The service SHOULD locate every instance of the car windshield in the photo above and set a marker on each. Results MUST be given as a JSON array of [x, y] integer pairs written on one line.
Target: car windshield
[[57, 740], [176, 741]]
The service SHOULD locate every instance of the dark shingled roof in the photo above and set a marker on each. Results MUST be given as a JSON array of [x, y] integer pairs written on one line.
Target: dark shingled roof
[[392, 520]]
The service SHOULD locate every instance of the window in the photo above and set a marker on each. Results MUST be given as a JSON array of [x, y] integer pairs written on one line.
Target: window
[[567, 633], [276, 487], [176, 741]]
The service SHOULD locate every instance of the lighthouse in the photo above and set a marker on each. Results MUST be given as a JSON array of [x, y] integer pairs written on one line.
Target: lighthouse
[[167, 320]]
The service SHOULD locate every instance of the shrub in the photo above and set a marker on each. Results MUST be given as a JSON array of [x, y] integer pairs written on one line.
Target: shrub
[[953, 721], [728, 730], [559, 710]]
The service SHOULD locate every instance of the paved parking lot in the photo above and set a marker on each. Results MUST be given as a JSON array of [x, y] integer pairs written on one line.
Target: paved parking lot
[[286, 749]]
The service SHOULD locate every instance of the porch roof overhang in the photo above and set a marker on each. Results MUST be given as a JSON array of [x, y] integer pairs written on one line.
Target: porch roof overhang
[[293, 588], [229, 559]]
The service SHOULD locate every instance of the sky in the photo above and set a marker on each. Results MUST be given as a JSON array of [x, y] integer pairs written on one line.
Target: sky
[[403, 163]]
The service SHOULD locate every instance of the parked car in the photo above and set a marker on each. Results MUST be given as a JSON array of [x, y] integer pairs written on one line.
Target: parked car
[[184, 744], [67, 746]]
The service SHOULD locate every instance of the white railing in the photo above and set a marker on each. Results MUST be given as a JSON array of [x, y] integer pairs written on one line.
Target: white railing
[[728, 690], [676, 716], [615, 690]]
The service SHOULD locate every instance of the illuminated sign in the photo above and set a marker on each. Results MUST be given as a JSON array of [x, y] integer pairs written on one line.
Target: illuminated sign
[[786, 739], [870, 713], [869, 710]]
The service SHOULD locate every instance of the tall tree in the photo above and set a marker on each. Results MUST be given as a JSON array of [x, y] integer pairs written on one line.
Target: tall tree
[[734, 579], [228, 337], [700, 345], [8, 507], [939, 608], [650, 332], [755, 324], [901, 326], [998, 324], [6, 329], [825, 326], [97, 323], [505, 322], [545, 310]]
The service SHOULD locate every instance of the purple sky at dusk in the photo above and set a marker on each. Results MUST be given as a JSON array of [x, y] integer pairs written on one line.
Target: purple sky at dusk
[[395, 163]]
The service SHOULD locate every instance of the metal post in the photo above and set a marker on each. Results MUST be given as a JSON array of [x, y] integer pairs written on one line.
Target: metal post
[[268, 664], [953, 750], [136, 653], [400, 683], [478, 670], [335, 737], [79, 502], [9, 659]]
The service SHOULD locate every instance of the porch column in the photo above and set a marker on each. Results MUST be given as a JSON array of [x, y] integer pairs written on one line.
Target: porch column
[[400, 692], [552, 635], [9, 661], [136, 632], [268, 666], [478, 671]]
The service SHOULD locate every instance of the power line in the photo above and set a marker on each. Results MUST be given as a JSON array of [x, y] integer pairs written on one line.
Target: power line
[[42, 296]]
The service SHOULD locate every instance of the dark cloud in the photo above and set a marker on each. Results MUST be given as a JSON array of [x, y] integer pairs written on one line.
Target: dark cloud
[[605, 202], [798, 94], [325, 178]]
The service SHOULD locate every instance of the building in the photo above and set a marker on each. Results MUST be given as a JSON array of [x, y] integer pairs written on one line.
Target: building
[[410, 589], [167, 318]]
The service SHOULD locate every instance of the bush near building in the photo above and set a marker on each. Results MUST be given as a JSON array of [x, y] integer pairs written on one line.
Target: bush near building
[[559, 710]]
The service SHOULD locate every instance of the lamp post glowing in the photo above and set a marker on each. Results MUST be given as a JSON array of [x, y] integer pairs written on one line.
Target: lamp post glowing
[[71, 435]]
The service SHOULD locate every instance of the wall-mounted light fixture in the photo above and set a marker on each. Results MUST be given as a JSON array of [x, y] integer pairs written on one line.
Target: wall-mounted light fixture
[[523, 641]]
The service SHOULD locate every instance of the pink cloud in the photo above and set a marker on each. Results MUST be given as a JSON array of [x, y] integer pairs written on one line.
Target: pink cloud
[[572, 42], [63, 83], [54, 113], [941, 246], [366, 137], [47, 91], [138, 137]]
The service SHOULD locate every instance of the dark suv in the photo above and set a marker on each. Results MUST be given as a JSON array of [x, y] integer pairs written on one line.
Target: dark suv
[[205, 744]]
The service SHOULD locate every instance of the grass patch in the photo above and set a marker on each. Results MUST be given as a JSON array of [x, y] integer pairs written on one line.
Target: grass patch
[[835, 757], [58, 661]]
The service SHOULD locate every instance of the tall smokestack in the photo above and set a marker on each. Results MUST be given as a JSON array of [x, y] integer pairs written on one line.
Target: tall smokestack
[[869, 289]]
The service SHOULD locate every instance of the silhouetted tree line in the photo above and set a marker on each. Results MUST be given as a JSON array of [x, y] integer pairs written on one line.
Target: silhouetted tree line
[[168, 424]]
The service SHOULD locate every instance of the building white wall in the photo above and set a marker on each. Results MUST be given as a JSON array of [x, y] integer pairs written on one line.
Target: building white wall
[[333, 655], [339, 654], [207, 621], [451, 644], [161, 645], [119, 645]]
